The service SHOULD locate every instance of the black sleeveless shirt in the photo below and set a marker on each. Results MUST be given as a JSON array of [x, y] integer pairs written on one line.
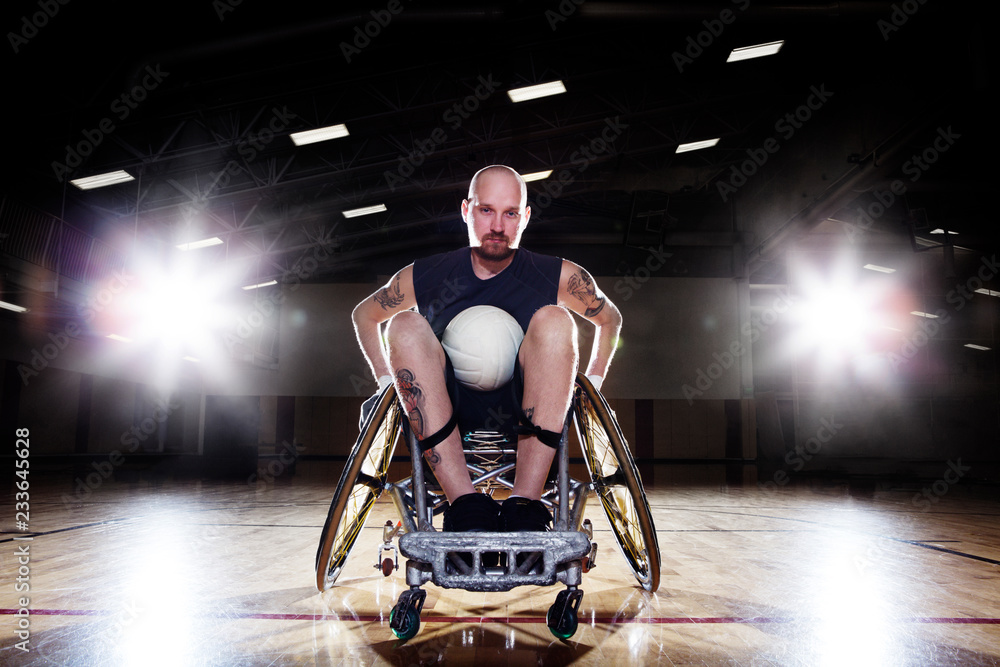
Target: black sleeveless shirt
[[445, 285]]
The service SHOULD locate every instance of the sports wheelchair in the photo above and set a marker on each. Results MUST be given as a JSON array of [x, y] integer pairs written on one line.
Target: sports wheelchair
[[492, 561]]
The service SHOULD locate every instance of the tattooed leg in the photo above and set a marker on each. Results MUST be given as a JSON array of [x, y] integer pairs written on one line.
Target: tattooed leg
[[412, 399], [418, 361]]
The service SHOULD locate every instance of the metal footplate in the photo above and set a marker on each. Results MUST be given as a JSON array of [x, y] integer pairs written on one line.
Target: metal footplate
[[494, 561]]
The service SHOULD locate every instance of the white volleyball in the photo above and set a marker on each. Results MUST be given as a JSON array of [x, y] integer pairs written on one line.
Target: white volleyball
[[482, 343]]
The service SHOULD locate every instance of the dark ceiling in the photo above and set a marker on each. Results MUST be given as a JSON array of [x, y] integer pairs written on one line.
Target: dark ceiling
[[224, 82]]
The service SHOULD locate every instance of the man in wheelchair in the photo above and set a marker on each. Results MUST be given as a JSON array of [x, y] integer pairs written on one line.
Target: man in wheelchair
[[538, 291]]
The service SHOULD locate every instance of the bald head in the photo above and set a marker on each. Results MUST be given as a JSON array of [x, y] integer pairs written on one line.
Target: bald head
[[497, 173]]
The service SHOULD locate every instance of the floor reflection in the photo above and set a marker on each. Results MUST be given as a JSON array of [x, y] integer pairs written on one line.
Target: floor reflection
[[217, 574]]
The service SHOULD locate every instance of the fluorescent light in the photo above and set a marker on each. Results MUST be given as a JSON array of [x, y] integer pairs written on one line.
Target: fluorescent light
[[922, 314], [13, 306], [121, 339], [977, 347], [319, 134], [100, 180], [942, 231], [876, 267], [534, 92], [697, 145], [265, 284], [536, 176], [204, 243], [365, 210], [987, 292], [755, 51]]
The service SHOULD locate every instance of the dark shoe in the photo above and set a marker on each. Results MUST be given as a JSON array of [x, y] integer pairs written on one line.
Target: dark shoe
[[472, 512], [522, 514]]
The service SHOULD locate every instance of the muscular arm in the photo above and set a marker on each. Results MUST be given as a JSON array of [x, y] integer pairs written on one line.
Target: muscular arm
[[397, 295], [579, 293]]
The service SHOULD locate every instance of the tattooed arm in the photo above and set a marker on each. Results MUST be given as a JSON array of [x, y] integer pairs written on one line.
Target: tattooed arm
[[397, 295], [579, 293]]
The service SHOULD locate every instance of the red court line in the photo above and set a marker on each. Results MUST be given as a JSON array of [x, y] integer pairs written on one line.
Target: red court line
[[507, 620]]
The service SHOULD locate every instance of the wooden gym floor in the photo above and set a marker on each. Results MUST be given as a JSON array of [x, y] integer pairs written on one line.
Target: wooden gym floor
[[221, 573]]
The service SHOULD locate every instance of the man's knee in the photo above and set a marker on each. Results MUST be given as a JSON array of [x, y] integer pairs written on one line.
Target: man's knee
[[552, 323], [408, 328]]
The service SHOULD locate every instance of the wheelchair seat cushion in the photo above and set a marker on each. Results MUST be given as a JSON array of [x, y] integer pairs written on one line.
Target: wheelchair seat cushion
[[472, 512]]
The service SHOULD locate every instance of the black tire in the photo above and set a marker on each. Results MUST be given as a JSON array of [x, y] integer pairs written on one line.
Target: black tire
[[360, 485], [616, 481]]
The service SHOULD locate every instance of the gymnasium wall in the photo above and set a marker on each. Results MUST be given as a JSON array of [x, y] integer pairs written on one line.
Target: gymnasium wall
[[93, 399]]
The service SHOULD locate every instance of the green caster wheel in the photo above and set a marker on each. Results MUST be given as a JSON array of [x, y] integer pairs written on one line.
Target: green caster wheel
[[408, 625], [562, 627]]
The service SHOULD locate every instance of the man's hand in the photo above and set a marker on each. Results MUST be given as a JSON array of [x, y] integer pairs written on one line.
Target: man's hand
[[369, 405], [366, 409]]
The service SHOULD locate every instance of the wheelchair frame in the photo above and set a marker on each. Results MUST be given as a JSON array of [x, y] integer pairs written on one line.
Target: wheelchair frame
[[458, 560]]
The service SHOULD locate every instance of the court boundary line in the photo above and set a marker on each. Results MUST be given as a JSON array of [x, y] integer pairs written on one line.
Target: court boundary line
[[603, 620]]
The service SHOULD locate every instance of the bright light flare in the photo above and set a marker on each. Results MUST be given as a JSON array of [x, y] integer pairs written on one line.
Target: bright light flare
[[843, 323], [172, 312]]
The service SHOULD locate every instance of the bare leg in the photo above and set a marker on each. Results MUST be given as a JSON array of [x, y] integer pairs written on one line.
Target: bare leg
[[418, 361], [549, 361]]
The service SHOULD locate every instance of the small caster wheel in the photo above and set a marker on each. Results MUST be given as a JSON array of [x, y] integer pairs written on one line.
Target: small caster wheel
[[387, 566], [563, 627], [409, 622]]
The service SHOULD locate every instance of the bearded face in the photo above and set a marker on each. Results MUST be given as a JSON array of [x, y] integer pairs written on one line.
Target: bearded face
[[495, 214]]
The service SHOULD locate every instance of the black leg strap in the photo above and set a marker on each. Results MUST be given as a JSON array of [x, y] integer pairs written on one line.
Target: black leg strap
[[436, 438], [550, 438], [525, 427]]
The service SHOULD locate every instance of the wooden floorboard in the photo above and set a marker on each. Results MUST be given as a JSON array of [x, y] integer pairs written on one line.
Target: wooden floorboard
[[221, 573]]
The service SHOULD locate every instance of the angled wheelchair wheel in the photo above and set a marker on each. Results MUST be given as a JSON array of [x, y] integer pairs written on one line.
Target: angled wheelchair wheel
[[360, 485], [616, 481]]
